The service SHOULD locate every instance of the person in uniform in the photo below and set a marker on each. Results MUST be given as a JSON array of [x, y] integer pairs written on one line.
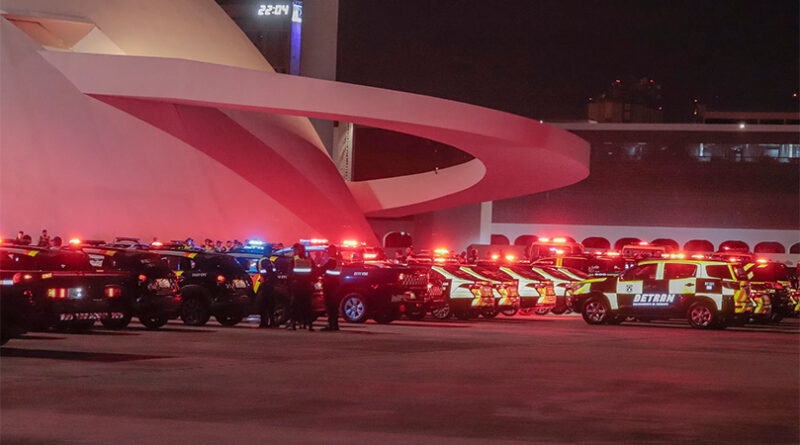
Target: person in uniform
[[301, 272], [266, 294], [44, 239], [330, 286]]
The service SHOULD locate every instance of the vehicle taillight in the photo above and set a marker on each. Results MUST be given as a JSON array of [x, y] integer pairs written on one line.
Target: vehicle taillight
[[142, 278], [113, 291], [400, 277], [220, 279], [20, 277], [57, 292]]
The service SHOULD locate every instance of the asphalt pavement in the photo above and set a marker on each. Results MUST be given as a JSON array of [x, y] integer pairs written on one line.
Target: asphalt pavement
[[520, 380]]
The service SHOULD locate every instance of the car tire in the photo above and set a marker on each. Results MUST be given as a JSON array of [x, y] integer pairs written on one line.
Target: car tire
[[702, 315], [559, 308], [229, 318], [194, 310], [153, 322], [354, 308], [527, 311], [542, 311], [120, 323], [442, 313], [596, 311], [511, 312]]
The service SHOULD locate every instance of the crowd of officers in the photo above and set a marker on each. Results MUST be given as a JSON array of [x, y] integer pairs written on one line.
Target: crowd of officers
[[303, 273]]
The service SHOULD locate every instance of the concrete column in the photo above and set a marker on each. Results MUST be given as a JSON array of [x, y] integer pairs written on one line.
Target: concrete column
[[486, 223]]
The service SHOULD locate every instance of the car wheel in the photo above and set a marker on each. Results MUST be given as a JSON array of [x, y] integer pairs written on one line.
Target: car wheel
[[354, 308], [542, 310], [154, 321], [702, 315], [229, 318], [596, 311], [417, 314], [119, 323], [442, 313], [559, 308], [511, 312], [194, 311], [527, 312]]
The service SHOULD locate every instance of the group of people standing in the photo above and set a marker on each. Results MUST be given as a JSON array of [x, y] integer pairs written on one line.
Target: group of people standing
[[24, 239], [303, 274]]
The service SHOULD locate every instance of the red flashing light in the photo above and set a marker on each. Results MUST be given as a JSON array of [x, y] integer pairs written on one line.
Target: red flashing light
[[544, 240], [698, 256], [220, 279], [439, 260], [113, 291], [613, 253], [559, 252], [441, 251], [643, 243], [495, 256], [733, 259], [349, 243], [762, 260], [370, 256], [510, 257], [677, 256], [19, 277], [75, 241], [142, 278], [157, 243], [559, 239], [618, 81]]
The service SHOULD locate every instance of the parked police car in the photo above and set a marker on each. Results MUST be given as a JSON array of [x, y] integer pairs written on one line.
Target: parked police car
[[55, 288], [151, 288], [708, 294], [210, 284], [775, 281], [465, 295]]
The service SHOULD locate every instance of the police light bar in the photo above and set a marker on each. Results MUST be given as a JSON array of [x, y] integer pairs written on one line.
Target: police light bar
[[75, 241], [559, 252], [677, 256], [510, 257], [559, 239], [370, 256], [350, 243], [612, 253], [441, 251], [544, 240], [255, 242], [157, 244], [439, 260], [314, 241], [495, 256], [698, 256], [643, 243], [762, 260]]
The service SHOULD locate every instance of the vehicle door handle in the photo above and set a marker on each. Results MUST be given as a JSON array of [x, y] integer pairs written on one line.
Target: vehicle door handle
[[689, 284]]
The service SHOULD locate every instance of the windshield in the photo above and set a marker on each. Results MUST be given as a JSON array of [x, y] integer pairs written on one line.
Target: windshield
[[141, 260], [722, 271]]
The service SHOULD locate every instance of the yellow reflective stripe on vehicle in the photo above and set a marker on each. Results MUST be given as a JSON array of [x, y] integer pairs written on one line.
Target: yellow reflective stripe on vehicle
[[33, 253], [178, 273], [110, 252], [190, 255]]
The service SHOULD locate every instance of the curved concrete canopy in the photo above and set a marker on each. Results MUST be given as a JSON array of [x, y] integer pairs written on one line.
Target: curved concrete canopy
[[514, 155]]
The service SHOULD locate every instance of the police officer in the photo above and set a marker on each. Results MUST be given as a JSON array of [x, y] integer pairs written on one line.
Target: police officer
[[266, 294], [44, 239], [330, 286], [301, 272]]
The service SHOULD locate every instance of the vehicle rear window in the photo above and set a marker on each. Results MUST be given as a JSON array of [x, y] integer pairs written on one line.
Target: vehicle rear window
[[17, 261], [66, 261], [722, 271], [674, 271]]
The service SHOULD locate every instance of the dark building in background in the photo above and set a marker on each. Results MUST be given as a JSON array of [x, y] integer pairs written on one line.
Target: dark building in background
[[634, 101], [274, 27]]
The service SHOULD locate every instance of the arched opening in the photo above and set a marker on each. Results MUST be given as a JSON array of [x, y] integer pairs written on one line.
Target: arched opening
[[525, 240], [622, 242], [398, 240], [670, 244], [795, 248], [769, 247], [596, 242], [698, 246], [499, 239], [734, 245]]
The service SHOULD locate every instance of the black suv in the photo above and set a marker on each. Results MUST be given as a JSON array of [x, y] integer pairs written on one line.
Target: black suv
[[56, 288], [151, 288], [210, 284]]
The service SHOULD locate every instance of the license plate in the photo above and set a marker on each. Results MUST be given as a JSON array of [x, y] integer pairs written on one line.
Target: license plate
[[75, 293], [163, 283], [239, 284]]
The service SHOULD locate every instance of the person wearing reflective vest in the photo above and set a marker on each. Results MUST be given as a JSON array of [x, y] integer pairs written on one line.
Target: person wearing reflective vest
[[301, 273], [332, 268]]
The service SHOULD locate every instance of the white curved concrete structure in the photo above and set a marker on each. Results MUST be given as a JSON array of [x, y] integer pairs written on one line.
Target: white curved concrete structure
[[199, 136]]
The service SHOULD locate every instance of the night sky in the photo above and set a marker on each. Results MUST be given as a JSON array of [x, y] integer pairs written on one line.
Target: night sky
[[544, 59]]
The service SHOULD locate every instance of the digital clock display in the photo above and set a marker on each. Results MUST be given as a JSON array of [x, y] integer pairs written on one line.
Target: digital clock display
[[273, 9]]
